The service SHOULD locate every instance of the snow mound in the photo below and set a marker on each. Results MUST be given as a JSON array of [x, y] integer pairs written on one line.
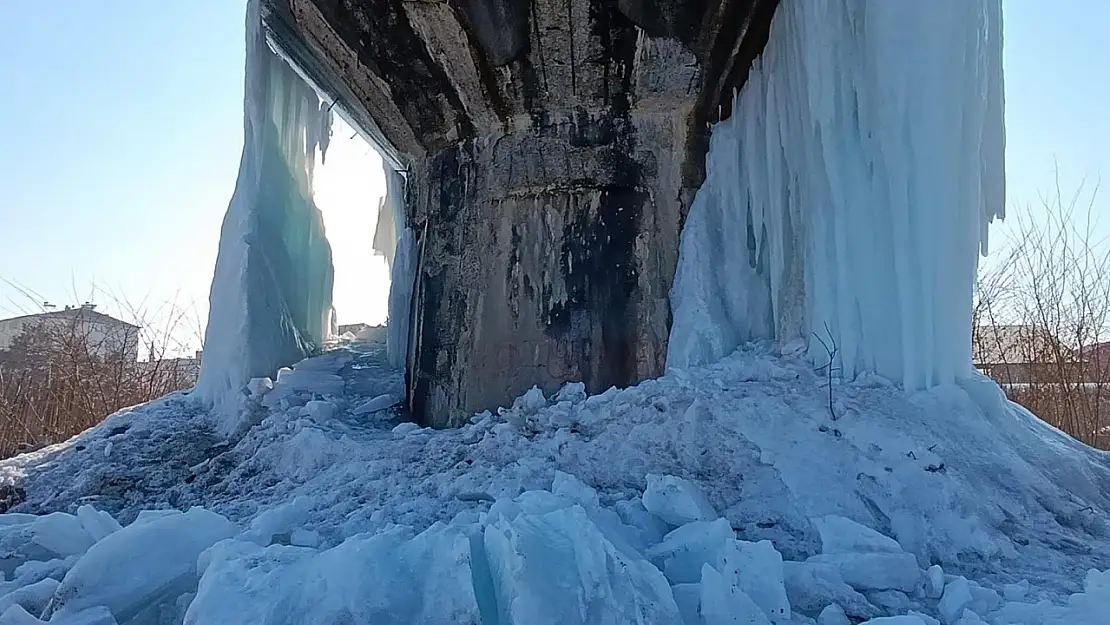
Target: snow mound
[[538, 558], [559, 505]]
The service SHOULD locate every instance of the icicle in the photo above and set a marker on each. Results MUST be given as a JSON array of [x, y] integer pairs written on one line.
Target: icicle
[[864, 155], [325, 121]]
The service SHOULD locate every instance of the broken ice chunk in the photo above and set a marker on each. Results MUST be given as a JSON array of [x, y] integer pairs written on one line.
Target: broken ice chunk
[[891, 601], [688, 598], [725, 604], [531, 401], [376, 404], [258, 387], [573, 392], [956, 598], [284, 518], [569, 486], [984, 600], [833, 614], [650, 528], [875, 571], [676, 500], [387, 577], [32, 597], [406, 428], [1016, 592], [557, 567], [905, 619], [304, 538], [11, 519], [934, 582], [61, 533], [971, 618], [685, 550], [928, 620], [142, 565], [843, 535], [97, 522], [310, 381], [319, 411], [16, 615], [811, 586], [98, 615], [756, 568]]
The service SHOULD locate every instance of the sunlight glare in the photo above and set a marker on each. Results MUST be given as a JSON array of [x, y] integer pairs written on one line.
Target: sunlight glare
[[348, 189]]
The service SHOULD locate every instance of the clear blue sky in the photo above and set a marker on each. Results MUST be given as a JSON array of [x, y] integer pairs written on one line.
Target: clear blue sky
[[121, 126], [1057, 55], [121, 130]]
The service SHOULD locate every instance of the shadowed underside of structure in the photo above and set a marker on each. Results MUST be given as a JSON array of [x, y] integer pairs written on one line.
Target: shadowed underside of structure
[[551, 149]]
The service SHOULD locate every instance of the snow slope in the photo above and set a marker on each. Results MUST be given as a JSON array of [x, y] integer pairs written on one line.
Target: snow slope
[[849, 193], [529, 513]]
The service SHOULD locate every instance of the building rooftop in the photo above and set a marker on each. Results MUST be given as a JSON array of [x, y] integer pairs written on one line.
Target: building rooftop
[[86, 312]]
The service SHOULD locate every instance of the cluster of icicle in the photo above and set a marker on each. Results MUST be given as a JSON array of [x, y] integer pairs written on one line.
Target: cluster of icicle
[[848, 195]]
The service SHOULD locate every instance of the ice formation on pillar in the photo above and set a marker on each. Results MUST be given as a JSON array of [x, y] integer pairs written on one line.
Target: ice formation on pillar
[[848, 195], [394, 240], [271, 292]]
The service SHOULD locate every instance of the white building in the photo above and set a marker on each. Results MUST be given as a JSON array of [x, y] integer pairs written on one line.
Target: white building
[[104, 335]]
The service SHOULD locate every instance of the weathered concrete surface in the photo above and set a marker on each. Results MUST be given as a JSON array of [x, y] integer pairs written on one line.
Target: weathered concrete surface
[[553, 148]]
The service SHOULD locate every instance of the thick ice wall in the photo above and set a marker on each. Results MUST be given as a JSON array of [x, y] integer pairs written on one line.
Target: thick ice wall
[[849, 194], [271, 293]]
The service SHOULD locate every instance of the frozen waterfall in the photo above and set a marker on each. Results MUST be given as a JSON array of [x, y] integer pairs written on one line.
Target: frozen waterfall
[[848, 196], [271, 292]]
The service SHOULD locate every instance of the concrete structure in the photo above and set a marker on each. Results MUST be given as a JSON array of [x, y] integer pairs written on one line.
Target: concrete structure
[[1011, 354], [551, 150], [1097, 358], [105, 336], [1026, 354], [171, 372]]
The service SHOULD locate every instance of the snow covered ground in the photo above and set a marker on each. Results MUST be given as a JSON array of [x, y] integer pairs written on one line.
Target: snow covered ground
[[734, 493]]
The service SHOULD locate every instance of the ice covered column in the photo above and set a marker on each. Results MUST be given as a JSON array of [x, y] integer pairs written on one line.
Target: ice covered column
[[848, 196], [551, 149], [271, 293]]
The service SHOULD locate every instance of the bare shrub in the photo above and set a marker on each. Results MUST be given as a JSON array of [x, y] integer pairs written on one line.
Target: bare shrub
[[1042, 316], [68, 370]]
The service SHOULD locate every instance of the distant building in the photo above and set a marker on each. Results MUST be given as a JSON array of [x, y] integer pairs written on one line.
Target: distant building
[[182, 372], [1025, 354], [359, 333], [1097, 358], [353, 328], [103, 334]]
